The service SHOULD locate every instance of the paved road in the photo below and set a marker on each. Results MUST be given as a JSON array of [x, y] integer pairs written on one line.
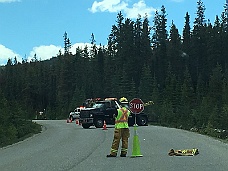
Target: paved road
[[69, 147]]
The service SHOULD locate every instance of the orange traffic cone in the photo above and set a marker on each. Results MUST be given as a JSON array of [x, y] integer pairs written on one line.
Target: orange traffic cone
[[104, 126], [77, 121]]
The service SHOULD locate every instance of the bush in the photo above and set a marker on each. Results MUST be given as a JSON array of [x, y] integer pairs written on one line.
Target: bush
[[10, 134]]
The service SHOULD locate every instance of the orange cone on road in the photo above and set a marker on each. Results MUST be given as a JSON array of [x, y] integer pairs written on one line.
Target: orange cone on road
[[104, 126], [77, 121]]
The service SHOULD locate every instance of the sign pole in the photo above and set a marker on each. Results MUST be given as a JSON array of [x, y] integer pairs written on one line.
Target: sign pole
[[135, 120]]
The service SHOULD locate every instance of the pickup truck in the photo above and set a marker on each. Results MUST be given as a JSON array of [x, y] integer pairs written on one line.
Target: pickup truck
[[75, 114]]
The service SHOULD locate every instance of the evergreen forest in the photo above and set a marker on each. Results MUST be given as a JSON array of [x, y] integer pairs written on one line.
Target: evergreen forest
[[184, 72]]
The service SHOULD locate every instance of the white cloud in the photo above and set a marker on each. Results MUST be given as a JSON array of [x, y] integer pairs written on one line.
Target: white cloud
[[44, 52], [139, 8], [8, 1], [7, 53], [80, 45], [108, 5], [120, 5]]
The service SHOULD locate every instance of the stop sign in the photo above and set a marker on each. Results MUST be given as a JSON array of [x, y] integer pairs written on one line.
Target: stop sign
[[136, 105]]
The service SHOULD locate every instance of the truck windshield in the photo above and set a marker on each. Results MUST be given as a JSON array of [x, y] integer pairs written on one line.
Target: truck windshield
[[98, 105]]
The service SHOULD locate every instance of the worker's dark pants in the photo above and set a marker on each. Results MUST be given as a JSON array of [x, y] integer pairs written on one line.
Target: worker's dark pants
[[123, 134]]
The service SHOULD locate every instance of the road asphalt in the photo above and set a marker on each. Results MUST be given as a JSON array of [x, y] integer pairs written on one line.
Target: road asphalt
[[66, 146]]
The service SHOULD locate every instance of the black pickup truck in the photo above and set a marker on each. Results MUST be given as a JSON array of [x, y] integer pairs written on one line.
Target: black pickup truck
[[105, 111]]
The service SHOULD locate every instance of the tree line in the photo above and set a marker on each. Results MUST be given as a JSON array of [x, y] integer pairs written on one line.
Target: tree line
[[185, 75]]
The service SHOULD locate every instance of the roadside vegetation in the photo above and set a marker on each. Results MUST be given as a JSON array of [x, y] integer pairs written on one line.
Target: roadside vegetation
[[14, 125], [185, 75]]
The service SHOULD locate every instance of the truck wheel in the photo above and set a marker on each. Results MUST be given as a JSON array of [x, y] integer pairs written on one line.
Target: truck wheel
[[99, 123], [85, 125], [142, 121]]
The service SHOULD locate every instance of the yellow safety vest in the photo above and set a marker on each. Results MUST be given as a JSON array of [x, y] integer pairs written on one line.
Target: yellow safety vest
[[122, 118]]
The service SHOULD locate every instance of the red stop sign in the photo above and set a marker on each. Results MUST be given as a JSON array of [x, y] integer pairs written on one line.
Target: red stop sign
[[136, 105]]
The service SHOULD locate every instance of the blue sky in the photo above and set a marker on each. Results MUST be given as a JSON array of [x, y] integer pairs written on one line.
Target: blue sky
[[29, 27]]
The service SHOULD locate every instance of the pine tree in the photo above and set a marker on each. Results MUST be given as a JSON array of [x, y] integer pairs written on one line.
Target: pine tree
[[159, 39], [174, 52], [200, 19], [132, 90], [99, 66], [201, 90], [146, 83], [223, 122], [167, 114], [129, 58], [216, 44], [138, 56], [146, 51], [9, 80], [204, 112], [187, 99], [186, 33], [224, 35], [198, 48], [224, 18], [78, 98], [67, 44], [93, 41], [154, 110], [214, 118], [186, 40], [124, 85], [109, 74], [216, 86]]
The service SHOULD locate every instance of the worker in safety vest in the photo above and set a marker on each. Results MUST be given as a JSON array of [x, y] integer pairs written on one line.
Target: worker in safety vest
[[121, 132]]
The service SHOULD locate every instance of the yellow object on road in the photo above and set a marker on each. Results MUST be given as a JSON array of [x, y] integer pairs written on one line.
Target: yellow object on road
[[185, 152]]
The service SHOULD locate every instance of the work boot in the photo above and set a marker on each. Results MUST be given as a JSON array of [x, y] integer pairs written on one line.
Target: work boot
[[111, 155], [122, 155]]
